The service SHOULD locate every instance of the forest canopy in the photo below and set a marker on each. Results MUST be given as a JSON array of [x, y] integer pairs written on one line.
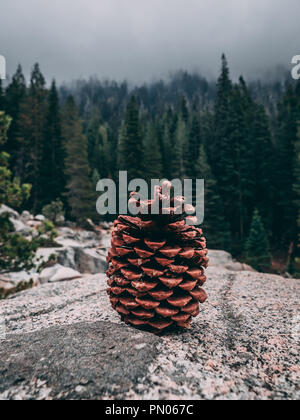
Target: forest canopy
[[243, 139]]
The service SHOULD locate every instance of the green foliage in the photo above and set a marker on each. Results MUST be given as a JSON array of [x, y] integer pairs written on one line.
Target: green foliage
[[11, 191], [47, 235], [15, 97], [152, 155], [32, 126], [257, 252], [248, 133], [16, 252], [52, 176], [215, 224], [54, 210], [131, 144], [80, 196]]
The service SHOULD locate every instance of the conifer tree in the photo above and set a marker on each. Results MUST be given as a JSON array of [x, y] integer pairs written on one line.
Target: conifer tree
[[152, 154], [167, 142], [15, 98], [263, 161], [53, 153], [285, 223], [194, 145], [221, 150], [2, 97], [215, 224], [94, 140], [33, 129], [80, 194], [179, 159], [131, 144], [184, 110], [257, 252]]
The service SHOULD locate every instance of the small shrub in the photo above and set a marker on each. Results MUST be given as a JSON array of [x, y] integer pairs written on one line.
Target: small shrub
[[54, 210]]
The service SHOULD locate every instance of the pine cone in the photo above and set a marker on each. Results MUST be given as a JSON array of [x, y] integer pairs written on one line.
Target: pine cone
[[157, 269]]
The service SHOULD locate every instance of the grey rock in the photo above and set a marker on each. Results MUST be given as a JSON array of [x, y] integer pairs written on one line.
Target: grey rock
[[58, 273], [10, 281], [244, 345], [19, 226], [6, 286], [224, 259], [12, 213], [40, 218], [85, 360], [66, 256], [219, 258], [26, 216], [21, 276], [64, 274], [89, 261], [34, 224], [60, 220]]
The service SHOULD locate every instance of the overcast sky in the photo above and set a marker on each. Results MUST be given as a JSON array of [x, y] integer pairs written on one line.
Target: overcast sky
[[144, 39]]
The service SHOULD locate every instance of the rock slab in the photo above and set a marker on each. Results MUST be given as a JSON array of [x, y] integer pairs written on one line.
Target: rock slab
[[63, 340], [85, 360]]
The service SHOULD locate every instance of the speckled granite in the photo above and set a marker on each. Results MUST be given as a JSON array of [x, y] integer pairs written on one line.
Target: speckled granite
[[244, 345]]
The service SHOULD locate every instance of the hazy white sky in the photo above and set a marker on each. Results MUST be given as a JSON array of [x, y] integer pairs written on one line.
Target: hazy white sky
[[141, 39]]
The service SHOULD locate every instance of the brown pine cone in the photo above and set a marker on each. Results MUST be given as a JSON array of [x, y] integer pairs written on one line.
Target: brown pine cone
[[157, 270]]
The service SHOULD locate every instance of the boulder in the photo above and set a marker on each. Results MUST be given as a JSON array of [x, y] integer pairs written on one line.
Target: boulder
[[26, 216], [12, 213], [11, 282], [47, 273], [66, 256], [224, 259], [90, 261], [63, 274], [21, 227], [40, 218], [58, 273], [21, 277]]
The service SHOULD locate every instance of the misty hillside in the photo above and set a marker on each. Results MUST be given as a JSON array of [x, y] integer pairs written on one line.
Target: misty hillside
[[243, 139]]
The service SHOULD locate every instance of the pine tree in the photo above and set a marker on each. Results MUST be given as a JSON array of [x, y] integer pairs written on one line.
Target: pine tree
[[53, 153], [179, 159], [2, 97], [221, 150], [80, 195], [263, 162], [33, 130], [131, 144], [167, 142], [194, 145], [15, 98], [184, 110], [296, 252], [215, 224], [94, 140], [286, 211], [152, 154], [257, 252]]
